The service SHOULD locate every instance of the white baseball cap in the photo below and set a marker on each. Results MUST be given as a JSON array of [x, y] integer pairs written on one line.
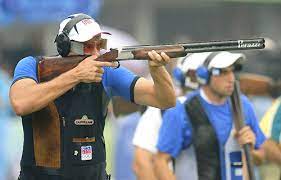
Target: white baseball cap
[[84, 30], [192, 61], [225, 59]]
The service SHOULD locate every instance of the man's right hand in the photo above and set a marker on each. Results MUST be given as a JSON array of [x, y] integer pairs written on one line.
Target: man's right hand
[[246, 136], [90, 70]]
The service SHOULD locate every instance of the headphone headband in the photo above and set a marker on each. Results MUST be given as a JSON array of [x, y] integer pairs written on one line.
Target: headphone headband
[[209, 59], [74, 20]]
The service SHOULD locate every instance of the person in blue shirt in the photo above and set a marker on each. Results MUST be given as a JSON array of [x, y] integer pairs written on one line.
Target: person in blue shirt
[[146, 134], [203, 124], [63, 119]]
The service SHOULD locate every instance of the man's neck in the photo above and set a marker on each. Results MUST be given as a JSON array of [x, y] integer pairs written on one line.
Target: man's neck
[[212, 97]]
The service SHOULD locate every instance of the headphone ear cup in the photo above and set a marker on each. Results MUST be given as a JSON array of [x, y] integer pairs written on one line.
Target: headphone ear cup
[[63, 44], [179, 76], [202, 75]]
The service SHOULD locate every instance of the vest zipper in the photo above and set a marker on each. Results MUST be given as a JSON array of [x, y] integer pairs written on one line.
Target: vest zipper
[[63, 121]]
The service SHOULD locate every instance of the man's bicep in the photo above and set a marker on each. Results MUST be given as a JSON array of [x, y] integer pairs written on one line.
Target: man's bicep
[[20, 85], [144, 92]]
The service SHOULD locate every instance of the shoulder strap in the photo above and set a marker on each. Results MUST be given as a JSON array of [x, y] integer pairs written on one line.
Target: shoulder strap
[[204, 140]]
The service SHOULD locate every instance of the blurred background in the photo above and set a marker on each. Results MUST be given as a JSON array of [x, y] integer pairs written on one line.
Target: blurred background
[[29, 27]]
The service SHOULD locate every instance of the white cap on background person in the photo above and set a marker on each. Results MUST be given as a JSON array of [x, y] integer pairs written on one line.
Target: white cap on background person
[[225, 59]]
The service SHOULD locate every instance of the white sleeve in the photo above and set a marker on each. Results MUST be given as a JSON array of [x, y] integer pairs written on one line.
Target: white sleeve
[[146, 134]]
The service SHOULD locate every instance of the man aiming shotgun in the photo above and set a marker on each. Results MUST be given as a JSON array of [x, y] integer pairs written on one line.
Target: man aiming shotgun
[[63, 101], [63, 117]]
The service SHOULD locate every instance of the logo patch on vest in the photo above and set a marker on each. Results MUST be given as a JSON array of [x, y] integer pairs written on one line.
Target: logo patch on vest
[[84, 121], [86, 153]]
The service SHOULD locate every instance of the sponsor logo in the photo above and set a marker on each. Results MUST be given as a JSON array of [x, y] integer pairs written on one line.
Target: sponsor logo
[[84, 121], [241, 44]]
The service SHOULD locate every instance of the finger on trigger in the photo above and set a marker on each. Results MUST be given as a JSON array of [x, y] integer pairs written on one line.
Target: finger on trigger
[[107, 64], [113, 64]]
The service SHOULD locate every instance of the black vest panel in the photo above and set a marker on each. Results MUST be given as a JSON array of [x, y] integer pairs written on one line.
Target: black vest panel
[[82, 111], [204, 140]]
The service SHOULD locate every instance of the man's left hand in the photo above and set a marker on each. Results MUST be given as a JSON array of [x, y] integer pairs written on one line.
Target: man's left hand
[[158, 59]]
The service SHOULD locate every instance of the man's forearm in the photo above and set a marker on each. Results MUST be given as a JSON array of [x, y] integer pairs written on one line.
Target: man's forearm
[[34, 97], [163, 85]]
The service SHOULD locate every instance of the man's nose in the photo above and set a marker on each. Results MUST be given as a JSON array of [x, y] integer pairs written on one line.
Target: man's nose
[[230, 76]]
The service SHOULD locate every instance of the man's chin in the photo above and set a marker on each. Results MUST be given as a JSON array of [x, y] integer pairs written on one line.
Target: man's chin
[[229, 93]]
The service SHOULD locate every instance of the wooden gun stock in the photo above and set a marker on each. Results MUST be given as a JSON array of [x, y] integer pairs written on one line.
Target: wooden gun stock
[[51, 67]]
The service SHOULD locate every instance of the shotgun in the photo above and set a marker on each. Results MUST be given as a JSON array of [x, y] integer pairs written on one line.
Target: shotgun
[[239, 124], [50, 67]]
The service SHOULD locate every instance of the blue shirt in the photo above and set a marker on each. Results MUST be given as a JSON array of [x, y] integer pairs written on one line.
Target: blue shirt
[[116, 82], [176, 131]]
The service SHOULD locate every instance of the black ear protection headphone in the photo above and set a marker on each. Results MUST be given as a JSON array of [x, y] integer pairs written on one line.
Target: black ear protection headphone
[[62, 40], [203, 73]]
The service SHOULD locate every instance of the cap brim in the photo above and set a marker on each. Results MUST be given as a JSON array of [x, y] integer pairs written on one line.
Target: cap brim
[[108, 33], [226, 59], [87, 36]]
